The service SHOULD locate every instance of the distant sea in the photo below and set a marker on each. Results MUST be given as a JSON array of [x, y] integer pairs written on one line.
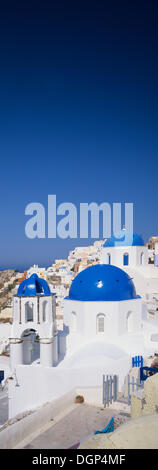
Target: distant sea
[[21, 268]]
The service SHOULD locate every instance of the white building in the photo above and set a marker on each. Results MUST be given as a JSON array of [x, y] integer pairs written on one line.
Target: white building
[[127, 251], [35, 269], [101, 306]]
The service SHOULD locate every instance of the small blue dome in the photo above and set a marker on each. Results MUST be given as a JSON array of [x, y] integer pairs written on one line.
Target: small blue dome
[[33, 286], [102, 282], [124, 238]]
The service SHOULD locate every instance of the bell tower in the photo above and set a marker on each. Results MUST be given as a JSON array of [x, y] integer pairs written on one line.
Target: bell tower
[[34, 312]]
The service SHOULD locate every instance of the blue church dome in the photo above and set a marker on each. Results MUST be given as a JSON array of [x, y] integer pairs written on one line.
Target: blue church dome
[[33, 286], [102, 282], [124, 238]]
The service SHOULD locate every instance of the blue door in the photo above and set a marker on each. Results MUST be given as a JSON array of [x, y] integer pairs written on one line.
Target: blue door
[[125, 259]]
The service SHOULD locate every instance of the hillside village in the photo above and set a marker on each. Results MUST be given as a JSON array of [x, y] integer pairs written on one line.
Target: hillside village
[[59, 276], [8, 282]]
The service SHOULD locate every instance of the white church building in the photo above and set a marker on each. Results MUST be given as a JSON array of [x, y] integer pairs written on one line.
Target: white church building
[[102, 305], [105, 324], [127, 251]]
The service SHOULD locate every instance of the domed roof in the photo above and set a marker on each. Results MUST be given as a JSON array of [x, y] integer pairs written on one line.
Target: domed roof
[[33, 286], [124, 238], [102, 282]]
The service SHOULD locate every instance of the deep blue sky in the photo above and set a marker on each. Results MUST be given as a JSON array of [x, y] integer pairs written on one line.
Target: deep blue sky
[[78, 115]]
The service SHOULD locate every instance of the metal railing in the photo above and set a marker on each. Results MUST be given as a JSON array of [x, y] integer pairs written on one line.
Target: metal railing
[[135, 385], [109, 389], [137, 361]]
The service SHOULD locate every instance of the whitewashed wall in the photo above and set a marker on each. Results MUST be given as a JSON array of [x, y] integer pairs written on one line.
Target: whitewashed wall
[[38, 385], [117, 253], [86, 321], [5, 333]]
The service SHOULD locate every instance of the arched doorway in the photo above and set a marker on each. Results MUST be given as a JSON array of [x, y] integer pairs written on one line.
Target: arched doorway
[[31, 346], [142, 258], [129, 322]]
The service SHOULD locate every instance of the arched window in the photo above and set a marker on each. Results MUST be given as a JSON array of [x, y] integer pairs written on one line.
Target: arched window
[[129, 322], [28, 311], [100, 323], [142, 258], [73, 322], [44, 310], [108, 258], [125, 259]]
